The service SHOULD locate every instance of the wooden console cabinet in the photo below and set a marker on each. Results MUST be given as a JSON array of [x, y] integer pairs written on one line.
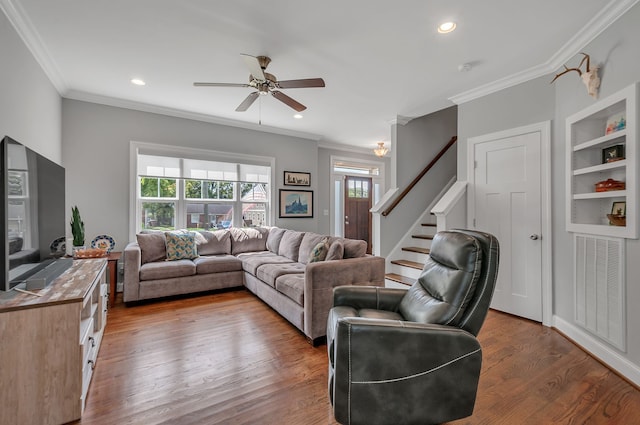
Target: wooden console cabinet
[[49, 345]]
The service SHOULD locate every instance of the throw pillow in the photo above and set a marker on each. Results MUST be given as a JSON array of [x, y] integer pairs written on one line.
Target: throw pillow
[[336, 251], [319, 252], [152, 247], [181, 246]]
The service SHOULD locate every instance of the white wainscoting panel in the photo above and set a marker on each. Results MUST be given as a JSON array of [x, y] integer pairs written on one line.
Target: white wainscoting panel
[[599, 287]]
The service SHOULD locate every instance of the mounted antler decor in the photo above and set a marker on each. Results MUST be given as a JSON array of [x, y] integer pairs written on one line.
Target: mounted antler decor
[[589, 76]]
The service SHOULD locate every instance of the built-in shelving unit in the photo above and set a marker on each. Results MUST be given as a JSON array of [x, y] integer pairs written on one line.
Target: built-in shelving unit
[[586, 140]]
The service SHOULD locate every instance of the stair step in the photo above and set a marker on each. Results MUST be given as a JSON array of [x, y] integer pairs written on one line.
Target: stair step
[[400, 279], [416, 249], [408, 263], [428, 237], [429, 224]]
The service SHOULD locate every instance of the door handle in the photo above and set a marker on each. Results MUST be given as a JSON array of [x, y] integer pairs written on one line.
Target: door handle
[[534, 237]]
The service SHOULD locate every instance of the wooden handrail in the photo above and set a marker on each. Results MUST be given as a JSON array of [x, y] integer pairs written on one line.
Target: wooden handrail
[[418, 177]]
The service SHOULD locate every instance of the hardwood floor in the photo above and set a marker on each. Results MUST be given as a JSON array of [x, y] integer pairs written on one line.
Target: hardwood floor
[[227, 358]]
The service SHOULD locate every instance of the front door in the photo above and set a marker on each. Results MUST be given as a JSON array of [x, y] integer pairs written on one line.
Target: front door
[[507, 202], [357, 203]]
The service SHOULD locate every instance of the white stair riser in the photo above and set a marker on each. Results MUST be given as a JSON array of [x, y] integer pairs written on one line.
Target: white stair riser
[[393, 284], [414, 256], [405, 271]]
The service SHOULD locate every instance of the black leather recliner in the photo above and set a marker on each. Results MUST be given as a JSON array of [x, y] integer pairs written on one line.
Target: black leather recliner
[[411, 356]]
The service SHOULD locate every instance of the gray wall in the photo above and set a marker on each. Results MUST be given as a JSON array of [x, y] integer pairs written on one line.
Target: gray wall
[[416, 144], [535, 101], [96, 140], [30, 107]]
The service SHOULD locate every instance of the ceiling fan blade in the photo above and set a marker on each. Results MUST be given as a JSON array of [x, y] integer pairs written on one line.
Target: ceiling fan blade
[[307, 82], [254, 67], [220, 85], [248, 101], [288, 101]]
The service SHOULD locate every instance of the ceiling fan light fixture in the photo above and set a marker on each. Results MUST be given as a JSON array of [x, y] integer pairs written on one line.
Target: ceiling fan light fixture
[[381, 150], [298, 116], [446, 27], [138, 82]]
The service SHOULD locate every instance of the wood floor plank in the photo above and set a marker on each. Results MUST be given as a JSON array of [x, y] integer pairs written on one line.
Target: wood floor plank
[[228, 358]]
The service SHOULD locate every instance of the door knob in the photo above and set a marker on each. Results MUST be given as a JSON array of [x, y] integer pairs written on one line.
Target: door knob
[[534, 237]]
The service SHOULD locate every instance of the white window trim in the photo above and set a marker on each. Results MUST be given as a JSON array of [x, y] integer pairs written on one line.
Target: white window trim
[[186, 152]]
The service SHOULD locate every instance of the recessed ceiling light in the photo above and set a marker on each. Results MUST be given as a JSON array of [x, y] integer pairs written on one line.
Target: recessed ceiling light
[[446, 27], [298, 116], [138, 82]]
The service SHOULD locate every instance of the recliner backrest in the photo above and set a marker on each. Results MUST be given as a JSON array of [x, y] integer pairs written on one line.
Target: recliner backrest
[[447, 284], [478, 307]]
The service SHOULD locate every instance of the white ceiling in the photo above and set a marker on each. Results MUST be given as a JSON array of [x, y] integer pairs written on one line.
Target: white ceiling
[[380, 59]]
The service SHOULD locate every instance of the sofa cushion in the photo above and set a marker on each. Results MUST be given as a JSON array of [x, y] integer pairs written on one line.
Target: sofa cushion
[[268, 273], [181, 245], [290, 244], [308, 243], [217, 242], [252, 260], [152, 247], [248, 239], [336, 251], [167, 269], [292, 285], [217, 264], [15, 245], [354, 248], [319, 252], [274, 238]]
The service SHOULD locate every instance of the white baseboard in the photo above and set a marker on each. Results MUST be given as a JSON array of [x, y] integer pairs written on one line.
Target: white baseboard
[[599, 350]]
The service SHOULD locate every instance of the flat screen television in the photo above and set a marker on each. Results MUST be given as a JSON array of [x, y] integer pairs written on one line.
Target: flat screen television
[[33, 213]]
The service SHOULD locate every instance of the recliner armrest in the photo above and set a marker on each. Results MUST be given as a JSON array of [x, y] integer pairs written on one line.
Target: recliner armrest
[[392, 364], [374, 297]]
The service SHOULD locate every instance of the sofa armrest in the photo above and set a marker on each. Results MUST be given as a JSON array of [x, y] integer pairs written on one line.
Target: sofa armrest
[[379, 363], [374, 297], [320, 279], [132, 264]]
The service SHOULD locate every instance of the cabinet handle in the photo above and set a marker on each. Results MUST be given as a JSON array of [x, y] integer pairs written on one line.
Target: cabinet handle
[[92, 363], [93, 341]]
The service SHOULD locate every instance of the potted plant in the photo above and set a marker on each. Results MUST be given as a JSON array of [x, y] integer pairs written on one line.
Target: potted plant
[[77, 229]]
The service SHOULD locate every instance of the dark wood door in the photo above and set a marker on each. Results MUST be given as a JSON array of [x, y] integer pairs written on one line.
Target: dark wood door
[[357, 203]]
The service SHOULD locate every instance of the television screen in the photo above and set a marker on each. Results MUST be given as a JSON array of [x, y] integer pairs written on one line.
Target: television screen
[[33, 212]]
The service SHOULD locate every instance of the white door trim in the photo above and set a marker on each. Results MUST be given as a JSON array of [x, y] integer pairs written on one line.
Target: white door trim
[[544, 128]]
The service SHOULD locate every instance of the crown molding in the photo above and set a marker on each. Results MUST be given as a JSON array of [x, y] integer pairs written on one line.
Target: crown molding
[[178, 113], [607, 16], [401, 120], [345, 148], [31, 38]]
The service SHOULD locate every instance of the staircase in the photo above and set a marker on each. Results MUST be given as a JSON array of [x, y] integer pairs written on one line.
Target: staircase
[[406, 270]]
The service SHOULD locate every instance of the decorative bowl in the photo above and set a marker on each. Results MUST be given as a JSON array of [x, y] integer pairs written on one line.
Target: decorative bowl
[[617, 220]]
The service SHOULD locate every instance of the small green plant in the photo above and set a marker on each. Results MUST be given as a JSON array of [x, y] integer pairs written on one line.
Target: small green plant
[[77, 227]]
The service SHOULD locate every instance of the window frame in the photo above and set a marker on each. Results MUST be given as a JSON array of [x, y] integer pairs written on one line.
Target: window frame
[[181, 200]]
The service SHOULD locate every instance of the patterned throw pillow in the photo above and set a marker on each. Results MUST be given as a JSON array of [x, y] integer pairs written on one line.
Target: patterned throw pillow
[[319, 252], [181, 245]]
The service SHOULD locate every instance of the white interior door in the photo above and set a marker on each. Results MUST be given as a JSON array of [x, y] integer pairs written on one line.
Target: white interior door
[[507, 202]]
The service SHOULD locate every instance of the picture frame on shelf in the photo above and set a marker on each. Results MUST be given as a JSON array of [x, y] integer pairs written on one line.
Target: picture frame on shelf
[[297, 178], [615, 123], [296, 203], [613, 153], [619, 208]]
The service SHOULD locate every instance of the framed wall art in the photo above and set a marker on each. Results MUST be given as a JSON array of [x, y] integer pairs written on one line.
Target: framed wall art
[[296, 203], [296, 178]]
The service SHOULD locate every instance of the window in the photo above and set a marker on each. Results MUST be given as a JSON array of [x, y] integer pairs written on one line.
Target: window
[[177, 193]]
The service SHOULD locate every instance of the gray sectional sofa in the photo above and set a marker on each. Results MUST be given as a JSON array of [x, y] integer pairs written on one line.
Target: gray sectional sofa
[[293, 272]]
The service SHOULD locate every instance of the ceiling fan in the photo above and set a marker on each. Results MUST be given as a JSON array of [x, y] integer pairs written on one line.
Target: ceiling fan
[[266, 83]]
